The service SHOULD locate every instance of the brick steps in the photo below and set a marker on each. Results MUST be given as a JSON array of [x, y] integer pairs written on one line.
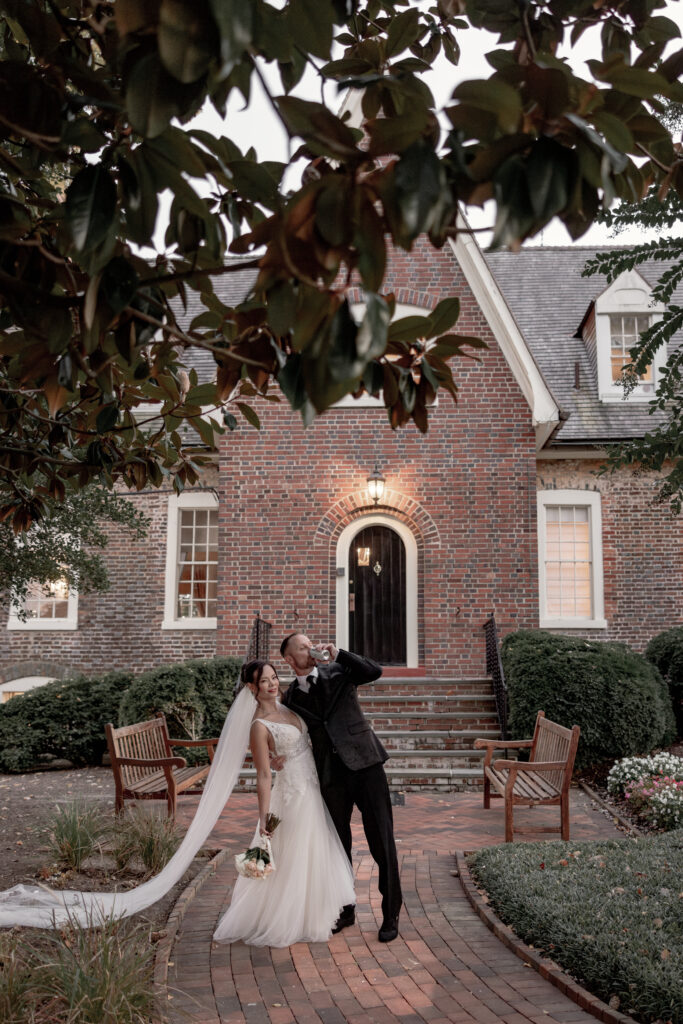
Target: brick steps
[[428, 727]]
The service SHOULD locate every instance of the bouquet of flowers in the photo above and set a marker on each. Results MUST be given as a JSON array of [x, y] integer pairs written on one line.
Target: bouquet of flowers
[[257, 861]]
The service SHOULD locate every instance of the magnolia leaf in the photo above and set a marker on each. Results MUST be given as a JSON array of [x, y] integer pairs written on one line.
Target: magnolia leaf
[[250, 415], [186, 38], [90, 206], [443, 316]]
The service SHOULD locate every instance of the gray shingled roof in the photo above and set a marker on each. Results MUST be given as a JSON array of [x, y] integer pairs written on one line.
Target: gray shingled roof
[[548, 298], [231, 289]]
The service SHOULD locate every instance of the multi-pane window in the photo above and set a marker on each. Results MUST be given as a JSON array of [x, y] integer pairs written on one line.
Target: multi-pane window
[[568, 563], [624, 334], [197, 564], [570, 559], [47, 602]]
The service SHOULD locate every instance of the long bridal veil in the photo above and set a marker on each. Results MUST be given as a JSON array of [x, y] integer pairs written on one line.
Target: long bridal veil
[[39, 907]]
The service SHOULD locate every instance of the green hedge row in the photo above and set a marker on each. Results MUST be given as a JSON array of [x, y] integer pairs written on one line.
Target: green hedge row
[[616, 696], [665, 651], [66, 718]]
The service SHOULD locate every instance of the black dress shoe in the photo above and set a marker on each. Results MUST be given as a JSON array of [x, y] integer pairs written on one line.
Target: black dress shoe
[[389, 930], [345, 920]]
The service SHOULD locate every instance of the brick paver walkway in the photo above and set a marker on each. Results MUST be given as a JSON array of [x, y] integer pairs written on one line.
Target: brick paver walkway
[[446, 966]]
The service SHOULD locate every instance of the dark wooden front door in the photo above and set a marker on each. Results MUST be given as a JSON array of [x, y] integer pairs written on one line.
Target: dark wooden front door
[[377, 595]]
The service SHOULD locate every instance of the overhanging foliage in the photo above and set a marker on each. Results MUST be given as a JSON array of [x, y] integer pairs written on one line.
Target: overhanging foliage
[[95, 105]]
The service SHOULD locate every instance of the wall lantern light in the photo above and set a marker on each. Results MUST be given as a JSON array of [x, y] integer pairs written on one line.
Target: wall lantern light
[[376, 485]]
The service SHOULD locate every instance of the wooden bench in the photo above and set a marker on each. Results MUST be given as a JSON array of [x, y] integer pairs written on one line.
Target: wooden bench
[[144, 766], [543, 779]]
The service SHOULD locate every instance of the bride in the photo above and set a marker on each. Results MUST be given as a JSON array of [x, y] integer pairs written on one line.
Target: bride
[[301, 900], [312, 880]]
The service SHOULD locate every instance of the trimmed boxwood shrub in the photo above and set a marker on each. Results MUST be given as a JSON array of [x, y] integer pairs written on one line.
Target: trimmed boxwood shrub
[[665, 651], [616, 696], [64, 719], [194, 696]]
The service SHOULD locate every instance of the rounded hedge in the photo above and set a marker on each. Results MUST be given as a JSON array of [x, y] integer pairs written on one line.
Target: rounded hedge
[[194, 696], [665, 651], [62, 719], [616, 696], [66, 718]]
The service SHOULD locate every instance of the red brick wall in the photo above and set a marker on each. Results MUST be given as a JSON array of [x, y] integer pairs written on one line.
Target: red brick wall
[[120, 628], [642, 551], [467, 489]]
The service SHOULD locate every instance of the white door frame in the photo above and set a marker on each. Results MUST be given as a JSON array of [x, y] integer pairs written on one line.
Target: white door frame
[[344, 543]]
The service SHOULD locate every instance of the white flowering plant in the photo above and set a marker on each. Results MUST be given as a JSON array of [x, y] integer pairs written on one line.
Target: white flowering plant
[[629, 770], [657, 800]]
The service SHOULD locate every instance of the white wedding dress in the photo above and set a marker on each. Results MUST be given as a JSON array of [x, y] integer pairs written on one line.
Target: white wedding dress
[[300, 901]]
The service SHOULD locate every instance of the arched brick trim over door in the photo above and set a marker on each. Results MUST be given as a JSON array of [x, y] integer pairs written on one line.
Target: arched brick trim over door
[[419, 533]]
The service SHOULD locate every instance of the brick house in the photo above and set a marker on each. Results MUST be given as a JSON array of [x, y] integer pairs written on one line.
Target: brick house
[[498, 508]]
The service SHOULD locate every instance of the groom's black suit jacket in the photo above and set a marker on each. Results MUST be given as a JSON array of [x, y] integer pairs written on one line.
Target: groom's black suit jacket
[[333, 715]]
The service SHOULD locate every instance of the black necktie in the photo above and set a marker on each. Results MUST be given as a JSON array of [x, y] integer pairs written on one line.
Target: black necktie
[[310, 680]]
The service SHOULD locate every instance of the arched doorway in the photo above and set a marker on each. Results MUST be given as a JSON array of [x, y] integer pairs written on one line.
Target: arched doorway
[[16, 687], [377, 590]]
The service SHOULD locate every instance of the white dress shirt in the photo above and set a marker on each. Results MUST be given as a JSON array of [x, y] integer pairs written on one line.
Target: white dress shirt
[[303, 680]]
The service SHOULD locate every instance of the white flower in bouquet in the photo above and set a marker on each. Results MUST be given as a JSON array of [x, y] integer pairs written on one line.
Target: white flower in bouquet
[[257, 861]]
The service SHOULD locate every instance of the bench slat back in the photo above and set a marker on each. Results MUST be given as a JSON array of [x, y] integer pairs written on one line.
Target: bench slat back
[[144, 740], [553, 742]]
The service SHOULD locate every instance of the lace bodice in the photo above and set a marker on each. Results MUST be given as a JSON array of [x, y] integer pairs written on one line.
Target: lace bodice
[[299, 771]]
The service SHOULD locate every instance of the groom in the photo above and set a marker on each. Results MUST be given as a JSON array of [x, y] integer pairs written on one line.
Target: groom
[[349, 759]]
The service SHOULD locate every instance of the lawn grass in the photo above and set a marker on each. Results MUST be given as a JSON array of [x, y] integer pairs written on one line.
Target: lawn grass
[[609, 912]]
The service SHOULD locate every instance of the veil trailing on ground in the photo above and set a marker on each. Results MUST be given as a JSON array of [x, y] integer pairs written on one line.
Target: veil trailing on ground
[[36, 906]]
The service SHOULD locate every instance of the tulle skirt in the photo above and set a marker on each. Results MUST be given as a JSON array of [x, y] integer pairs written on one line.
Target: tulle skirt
[[300, 901]]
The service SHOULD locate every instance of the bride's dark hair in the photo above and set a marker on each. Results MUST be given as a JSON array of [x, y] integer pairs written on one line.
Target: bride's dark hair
[[253, 670]]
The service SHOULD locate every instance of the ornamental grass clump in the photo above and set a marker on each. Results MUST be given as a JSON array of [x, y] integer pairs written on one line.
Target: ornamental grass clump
[[15, 982], [76, 832], [101, 973], [146, 837], [609, 912]]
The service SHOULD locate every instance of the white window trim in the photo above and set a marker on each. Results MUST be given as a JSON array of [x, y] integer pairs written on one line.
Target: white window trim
[[342, 562], [628, 295], [592, 500], [47, 625], [189, 499], [24, 684]]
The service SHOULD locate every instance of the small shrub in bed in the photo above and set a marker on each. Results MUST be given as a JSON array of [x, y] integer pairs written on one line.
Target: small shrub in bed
[[665, 651], [616, 696], [76, 831], [606, 911]]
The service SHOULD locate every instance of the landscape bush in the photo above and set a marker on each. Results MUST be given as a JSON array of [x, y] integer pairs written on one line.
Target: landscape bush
[[66, 718], [193, 695], [605, 911], [665, 651], [616, 696], [62, 719]]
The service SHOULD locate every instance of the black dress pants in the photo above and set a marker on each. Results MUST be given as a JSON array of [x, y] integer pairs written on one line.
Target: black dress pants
[[368, 789]]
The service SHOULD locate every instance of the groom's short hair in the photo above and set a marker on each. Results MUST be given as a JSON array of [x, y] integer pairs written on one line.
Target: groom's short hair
[[285, 643]]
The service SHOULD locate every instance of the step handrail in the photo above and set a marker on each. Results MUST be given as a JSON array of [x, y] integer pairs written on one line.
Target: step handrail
[[494, 668]]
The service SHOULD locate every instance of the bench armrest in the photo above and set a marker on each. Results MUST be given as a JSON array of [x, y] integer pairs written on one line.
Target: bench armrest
[[193, 743], [479, 744], [209, 744], [531, 766], [153, 762], [491, 745]]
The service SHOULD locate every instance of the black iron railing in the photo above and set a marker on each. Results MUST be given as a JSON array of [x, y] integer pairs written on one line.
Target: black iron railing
[[494, 668], [259, 641]]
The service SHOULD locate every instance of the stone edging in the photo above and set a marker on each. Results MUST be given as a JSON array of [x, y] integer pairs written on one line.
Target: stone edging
[[612, 811], [546, 968], [163, 948]]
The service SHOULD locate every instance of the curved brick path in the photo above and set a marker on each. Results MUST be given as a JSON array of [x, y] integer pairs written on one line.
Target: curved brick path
[[445, 966]]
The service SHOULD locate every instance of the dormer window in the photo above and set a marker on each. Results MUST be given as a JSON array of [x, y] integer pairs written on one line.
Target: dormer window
[[624, 333], [611, 328]]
